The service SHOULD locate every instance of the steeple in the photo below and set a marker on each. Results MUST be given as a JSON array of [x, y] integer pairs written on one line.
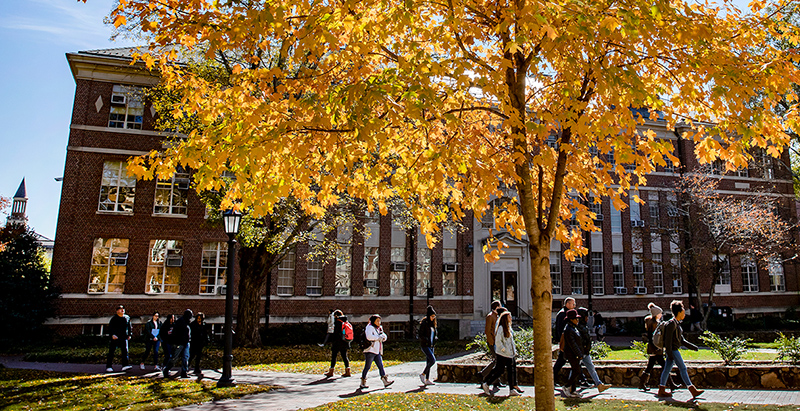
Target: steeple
[[18, 207]]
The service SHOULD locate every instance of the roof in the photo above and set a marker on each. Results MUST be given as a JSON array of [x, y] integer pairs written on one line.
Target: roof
[[125, 53], [21, 190]]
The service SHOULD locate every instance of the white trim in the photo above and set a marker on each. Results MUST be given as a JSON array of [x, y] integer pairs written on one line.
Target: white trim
[[169, 215], [161, 296], [114, 212], [119, 296], [105, 129], [101, 150]]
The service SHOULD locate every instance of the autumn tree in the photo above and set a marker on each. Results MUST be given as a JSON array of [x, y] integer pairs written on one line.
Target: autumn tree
[[444, 104]]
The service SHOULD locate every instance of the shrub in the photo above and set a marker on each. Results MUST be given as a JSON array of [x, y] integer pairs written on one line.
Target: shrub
[[788, 349], [729, 349], [600, 350], [479, 343], [641, 347], [523, 340]]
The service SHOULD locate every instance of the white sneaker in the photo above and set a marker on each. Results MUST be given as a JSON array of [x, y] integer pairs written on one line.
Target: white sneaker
[[126, 368], [321, 345], [157, 367], [429, 382], [141, 366], [109, 369], [422, 379], [486, 389], [513, 393]]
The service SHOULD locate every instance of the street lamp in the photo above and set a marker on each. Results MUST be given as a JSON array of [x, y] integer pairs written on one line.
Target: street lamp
[[231, 219]]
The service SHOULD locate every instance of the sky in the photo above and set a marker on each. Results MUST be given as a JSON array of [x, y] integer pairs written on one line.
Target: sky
[[37, 91]]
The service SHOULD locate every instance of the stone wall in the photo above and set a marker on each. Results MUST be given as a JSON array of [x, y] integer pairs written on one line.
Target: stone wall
[[704, 374]]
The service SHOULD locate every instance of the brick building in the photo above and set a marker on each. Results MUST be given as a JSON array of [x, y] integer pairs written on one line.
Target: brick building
[[148, 245]]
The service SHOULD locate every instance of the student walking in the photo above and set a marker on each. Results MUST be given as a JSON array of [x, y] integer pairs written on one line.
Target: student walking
[[331, 322], [586, 345], [181, 338], [375, 335], [673, 339], [489, 329], [119, 332], [506, 352], [561, 322], [200, 337], [427, 341], [166, 338], [570, 344], [655, 354], [340, 343], [151, 340]]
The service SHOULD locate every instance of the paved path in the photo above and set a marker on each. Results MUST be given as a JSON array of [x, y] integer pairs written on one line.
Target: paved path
[[300, 391]]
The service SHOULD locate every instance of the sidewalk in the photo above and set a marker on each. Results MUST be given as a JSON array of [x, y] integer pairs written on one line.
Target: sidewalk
[[300, 391]]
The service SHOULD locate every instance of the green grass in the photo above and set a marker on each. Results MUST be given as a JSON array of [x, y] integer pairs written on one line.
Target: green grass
[[47, 390], [628, 354], [422, 402]]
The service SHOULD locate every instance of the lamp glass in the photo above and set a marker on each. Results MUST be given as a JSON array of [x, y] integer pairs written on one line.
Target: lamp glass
[[232, 219]]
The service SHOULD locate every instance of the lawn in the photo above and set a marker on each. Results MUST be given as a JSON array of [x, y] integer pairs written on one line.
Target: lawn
[[310, 359], [47, 390], [629, 354], [422, 402]]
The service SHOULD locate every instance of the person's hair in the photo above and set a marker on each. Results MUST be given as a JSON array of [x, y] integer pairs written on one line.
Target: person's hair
[[338, 313], [501, 310], [568, 299], [505, 322], [676, 306], [156, 313], [373, 318], [120, 307], [200, 317], [495, 304], [170, 317]]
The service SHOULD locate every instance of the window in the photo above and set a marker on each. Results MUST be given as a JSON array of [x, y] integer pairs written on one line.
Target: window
[[578, 271], [172, 195], [423, 269], [552, 141], [717, 167], [638, 270], [127, 108], [449, 278], [749, 275], [555, 271], [616, 219], [658, 274], [670, 167], [213, 268], [343, 267], [371, 269], [610, 160], [634, 206], [109, 263], [618, 267], [596, 207], [117, 189], [397, 278], [764, 161], [677, 281], [487, 219], [164, 267], [598, 286], [314, 278], [723, 284], [655, 212], [286, 274], [776, 279], [743, 172]]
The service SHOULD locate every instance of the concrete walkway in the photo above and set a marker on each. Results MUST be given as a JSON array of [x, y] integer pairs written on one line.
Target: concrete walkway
[[300, 391]]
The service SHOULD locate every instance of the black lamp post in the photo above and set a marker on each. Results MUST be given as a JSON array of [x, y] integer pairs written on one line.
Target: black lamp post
[[232, 219]]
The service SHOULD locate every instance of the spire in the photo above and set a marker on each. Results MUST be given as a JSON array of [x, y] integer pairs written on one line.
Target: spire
[[21, 190], [18, 207]]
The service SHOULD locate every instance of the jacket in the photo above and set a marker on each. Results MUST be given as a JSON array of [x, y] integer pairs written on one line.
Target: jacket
[[331, 323], [427, 333], [199, 334], [561, 322], [504, 346], [148, 329], [673, 338], [181, 333], [337, 340], [572, 342], [489, 329], [650, 325], [120, 326], [166, 332], [586, 337], [377, 336]]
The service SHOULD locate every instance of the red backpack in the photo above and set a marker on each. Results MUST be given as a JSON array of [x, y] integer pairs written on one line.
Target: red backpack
[[347, 330]]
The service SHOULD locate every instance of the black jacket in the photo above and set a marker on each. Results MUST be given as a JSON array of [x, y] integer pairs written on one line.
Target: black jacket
[[427, 333], [120, 326], [166, 332], [561, 322], [149, 326], [572, 342], [339, 342], [181, 333], [199, 334], [586, 337], [673, 338]]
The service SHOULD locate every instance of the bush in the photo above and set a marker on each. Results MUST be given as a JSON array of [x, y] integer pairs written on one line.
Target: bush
[[479, 343], [600, 350], [641, 347], [729, 349], [788, 349], [523, 340]]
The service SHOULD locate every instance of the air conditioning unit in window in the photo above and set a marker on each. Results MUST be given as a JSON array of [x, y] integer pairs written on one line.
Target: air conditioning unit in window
[[637, 223], [174, 261], [221, 289], [598, 217], [120, 258], [620, 290], [672, 212], [641, 290], [119, 99], [370, 283], [449, 267], [577, 268], [182, 183], [398, 266]]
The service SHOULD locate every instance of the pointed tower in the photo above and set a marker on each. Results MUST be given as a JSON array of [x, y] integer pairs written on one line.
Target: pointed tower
[[18, 207]]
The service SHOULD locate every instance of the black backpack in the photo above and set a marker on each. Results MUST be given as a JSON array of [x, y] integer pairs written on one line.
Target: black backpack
[[363, 342]]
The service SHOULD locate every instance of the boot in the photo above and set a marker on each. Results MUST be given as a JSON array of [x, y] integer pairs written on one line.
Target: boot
[[363, 383], [662, 392], [386, 381], [329, 374], [346, 372], [695, 392], [643, 379]]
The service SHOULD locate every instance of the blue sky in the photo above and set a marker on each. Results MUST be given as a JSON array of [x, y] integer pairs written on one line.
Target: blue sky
[[37, 91]]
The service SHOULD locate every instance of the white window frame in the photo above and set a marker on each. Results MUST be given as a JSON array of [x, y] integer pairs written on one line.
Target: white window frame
[[177, 198], [132, 111], [397, 279], [777, 278], [555, 272], [213, 268], [638, 270], [371, 264], [314, 278], [344, 267], [658, 274], [158, 273], [749, 275], [576, 279], [723, 284], [423, 280], [598, 280], [117, 189], [104, 269], [677, 280], [286, 271], [618, 269]]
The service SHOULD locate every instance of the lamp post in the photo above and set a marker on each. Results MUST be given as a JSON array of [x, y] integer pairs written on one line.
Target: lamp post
[[231, 219]]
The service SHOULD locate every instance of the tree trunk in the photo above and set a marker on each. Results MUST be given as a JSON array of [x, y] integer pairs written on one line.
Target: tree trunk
[[542, 297], [254, 263]]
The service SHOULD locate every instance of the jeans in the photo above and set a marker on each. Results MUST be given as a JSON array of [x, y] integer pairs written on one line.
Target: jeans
[[503, 363], [676, 360], [196, 354], [168, 349], [587, 362], [148, 345], [430, 360], [112, 348], [560, 361], [368, 359], [181, 351], [339, 350]]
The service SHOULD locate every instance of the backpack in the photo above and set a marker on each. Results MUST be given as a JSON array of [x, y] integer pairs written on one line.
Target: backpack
[[363, 342], [658, 335], [347, 331]]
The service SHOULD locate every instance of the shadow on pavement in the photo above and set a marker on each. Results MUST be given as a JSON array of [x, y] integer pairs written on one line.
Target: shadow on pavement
[[322, 381]]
